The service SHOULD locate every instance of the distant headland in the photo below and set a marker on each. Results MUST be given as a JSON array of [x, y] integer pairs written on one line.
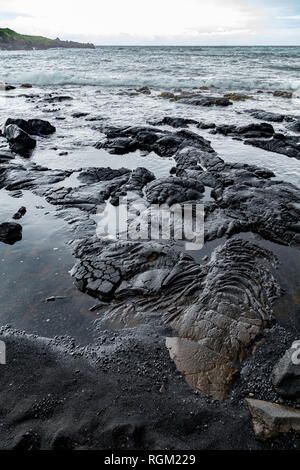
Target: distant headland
[[12, 41]]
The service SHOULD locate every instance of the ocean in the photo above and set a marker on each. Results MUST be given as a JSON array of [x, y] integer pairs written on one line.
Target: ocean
[[226, 68]]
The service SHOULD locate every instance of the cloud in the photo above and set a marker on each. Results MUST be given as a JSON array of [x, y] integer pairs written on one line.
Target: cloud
[[224, 33], [195, 22], [138, 20], [295, 17]]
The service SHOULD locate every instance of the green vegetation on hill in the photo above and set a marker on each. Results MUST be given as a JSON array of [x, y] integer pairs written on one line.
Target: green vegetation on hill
[[10, 40]]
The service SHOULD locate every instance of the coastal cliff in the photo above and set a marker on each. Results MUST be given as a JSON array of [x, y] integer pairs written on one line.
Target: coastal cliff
[[12, 41]]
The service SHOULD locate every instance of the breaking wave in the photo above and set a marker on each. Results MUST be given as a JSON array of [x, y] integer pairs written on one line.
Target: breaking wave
[[161, 68], [39, 78]]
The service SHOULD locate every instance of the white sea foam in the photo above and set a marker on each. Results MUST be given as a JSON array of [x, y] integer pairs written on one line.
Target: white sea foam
[[40, 78], [225, 69]]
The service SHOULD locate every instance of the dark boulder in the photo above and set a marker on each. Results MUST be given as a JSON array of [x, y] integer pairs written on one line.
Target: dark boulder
[[10, 232], [33, 126], [21, 123], [40, 127], [20, 142]]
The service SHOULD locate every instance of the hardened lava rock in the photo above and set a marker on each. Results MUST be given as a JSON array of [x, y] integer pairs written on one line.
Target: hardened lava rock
[[164, 143], [173, 190], [216, 310], [284, 144]]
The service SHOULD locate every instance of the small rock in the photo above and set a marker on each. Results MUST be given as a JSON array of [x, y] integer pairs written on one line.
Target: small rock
[[54, 297], [79, 114], [145, 90], [286, 373], [207, 101], [271, 419], [9, 87], [206, 125], [52, 99], [21, 212], [238, 96], [174, 122], [167, 95], [283, 94], [16, 194]]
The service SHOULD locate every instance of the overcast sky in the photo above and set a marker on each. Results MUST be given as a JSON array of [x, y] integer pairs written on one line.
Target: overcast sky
[[195, 22]]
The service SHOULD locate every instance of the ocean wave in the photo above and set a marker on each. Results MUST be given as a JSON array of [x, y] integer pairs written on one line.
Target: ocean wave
[[163, 81], [241, 83], [285, 67], [106, 80], [47, 78]]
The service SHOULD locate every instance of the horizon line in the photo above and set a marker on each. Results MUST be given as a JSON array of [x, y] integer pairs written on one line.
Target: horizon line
[[196, 45]]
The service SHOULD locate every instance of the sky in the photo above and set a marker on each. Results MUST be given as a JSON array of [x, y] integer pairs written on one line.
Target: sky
[[158, 22]]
